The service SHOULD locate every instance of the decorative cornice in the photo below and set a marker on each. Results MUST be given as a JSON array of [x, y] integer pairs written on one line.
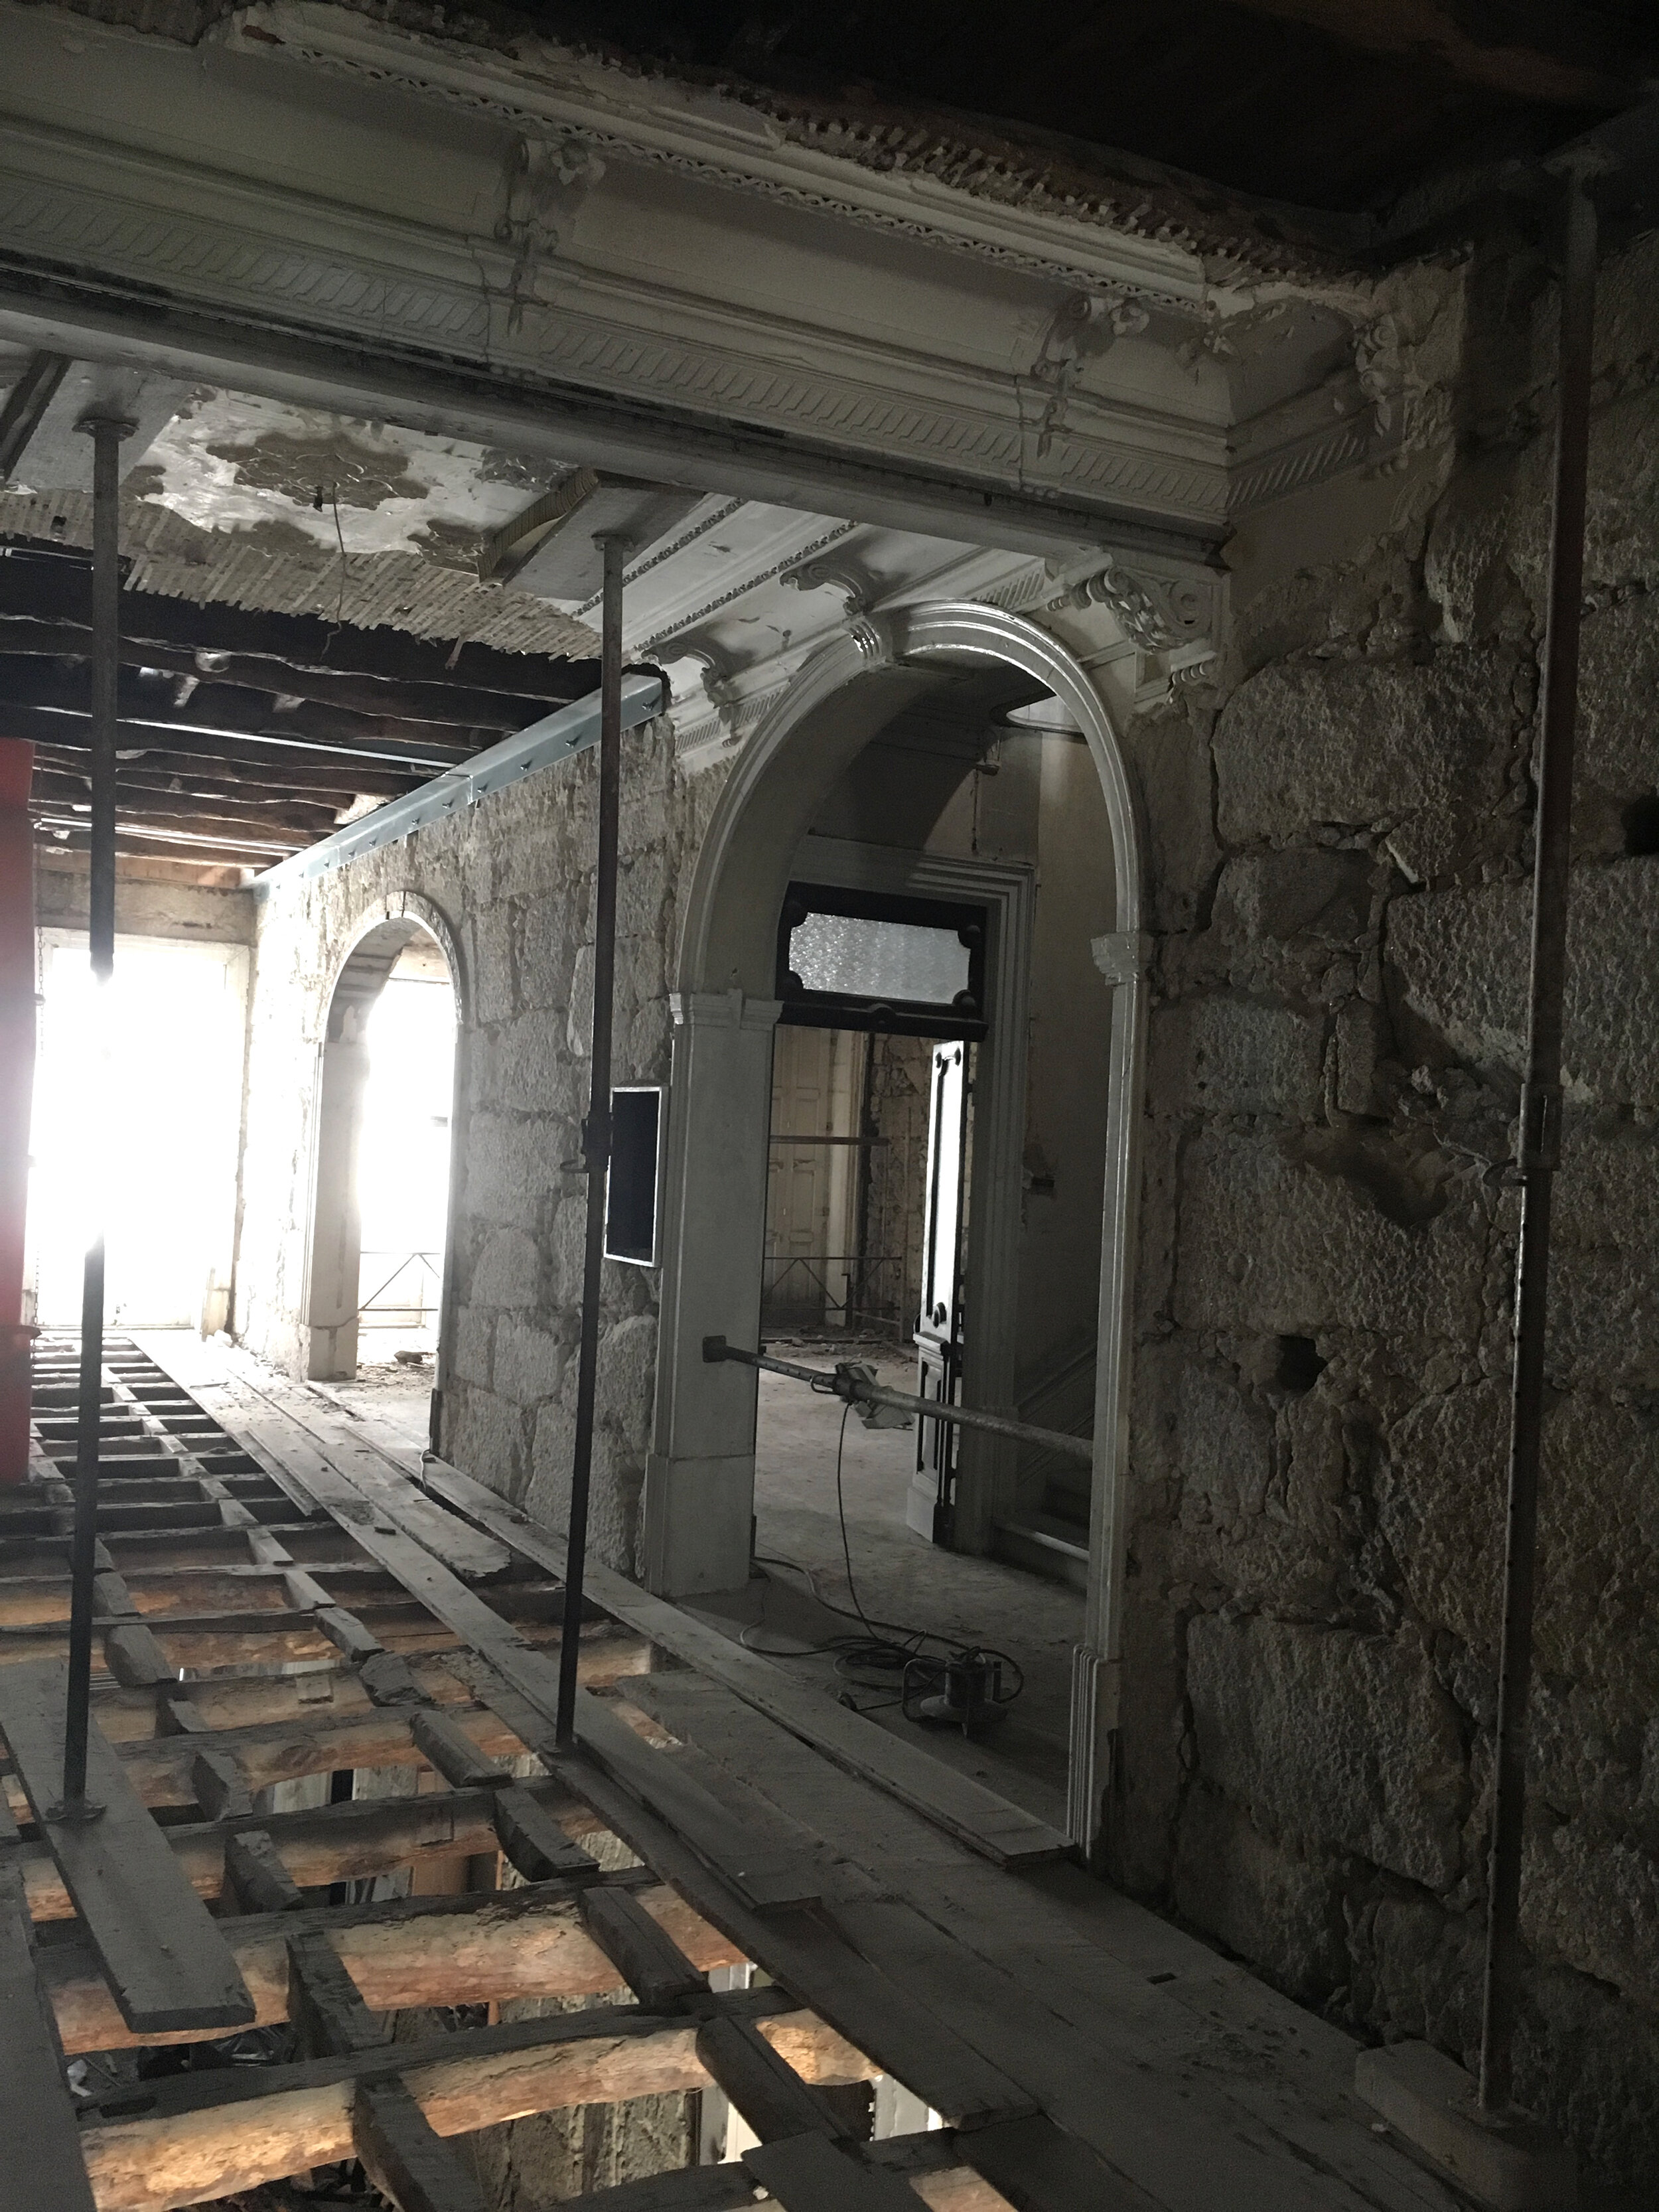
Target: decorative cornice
[[684, 625], [548, 91], [281, 262]]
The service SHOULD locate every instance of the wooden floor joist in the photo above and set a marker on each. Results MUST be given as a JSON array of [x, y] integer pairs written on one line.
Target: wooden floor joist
[[475, 1949], [242, 1514]]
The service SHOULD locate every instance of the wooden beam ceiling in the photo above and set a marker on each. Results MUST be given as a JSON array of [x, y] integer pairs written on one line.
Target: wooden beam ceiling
[[244, 737]]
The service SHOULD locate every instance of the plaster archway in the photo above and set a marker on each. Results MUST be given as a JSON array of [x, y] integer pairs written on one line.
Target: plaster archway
[[699, 1478], [363, 961]]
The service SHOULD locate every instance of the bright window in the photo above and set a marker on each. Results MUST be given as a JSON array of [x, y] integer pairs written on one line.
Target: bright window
[[138, 1113]]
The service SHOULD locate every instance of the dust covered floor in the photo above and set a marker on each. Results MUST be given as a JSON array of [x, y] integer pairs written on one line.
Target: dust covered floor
[[901, 1580], [397, 1399]]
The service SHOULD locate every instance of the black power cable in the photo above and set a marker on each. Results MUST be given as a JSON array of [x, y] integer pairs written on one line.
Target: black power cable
[[964, 1683]]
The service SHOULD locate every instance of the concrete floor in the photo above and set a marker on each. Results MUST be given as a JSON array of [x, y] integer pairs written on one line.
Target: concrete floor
[[901, 1580]]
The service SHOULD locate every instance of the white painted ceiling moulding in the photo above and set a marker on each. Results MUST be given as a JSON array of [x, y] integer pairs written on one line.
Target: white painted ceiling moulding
[[555, 738], [592, 112], [550, 256]]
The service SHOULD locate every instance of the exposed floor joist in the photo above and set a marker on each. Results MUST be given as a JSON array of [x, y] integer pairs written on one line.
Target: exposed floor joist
[[1083, 2054]]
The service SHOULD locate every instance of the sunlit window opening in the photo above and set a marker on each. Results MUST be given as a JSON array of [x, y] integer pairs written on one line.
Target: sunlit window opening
[[402, 1172], [136, 1115]]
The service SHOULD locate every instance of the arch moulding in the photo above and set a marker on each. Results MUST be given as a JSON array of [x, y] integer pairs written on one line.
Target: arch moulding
[[699, 1478], [359, 967]]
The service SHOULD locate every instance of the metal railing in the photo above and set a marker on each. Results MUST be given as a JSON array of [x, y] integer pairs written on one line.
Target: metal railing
[[799, 1289], [416, 1309]]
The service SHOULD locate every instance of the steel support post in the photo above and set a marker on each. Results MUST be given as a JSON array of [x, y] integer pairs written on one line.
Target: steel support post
[[1539, 1141], [16, 1085], [107, 431], [596, 1131]]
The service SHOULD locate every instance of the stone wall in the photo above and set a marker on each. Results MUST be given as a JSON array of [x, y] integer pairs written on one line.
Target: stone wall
[[1338, 833], [514, 880], [1341, 841]]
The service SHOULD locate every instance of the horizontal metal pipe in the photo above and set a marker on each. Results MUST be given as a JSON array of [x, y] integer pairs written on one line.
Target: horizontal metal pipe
[[842, 1382], [554, 739]]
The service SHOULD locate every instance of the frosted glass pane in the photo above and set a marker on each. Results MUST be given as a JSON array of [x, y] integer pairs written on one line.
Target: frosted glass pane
[[858, 959]]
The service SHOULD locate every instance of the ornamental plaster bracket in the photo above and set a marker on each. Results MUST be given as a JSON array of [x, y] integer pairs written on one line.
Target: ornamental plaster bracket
[[546, 177], [1173, 617], [720, 670], [858, 597], [835, 575]]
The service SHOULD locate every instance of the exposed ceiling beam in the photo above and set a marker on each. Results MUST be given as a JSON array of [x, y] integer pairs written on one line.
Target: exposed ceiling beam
[[55, 727], [52, 587], [26, 403], [32, 680], [266, 767], [1557, 55], [470, 708], [341, 783], [200, 809], [68, 833]]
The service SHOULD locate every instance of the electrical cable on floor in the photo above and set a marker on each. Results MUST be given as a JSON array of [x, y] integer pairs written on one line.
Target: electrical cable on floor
[[963, 1686]]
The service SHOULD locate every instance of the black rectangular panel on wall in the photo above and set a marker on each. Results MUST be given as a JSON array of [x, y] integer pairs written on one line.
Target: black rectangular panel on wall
[[630, 1191]]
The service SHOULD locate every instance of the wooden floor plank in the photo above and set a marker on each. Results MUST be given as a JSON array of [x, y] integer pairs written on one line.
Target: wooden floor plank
[[242, 1395], [40, 2157], [166, 1963], [974, 1987], [806, 1956], [770, 2095], [1040, 2169], [1152, 2097], [404, 2156], [809, 2173], [965, 1808]]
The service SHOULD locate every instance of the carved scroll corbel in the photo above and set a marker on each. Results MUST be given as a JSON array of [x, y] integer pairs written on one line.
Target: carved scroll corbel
[[1157, 612], [857, 595]]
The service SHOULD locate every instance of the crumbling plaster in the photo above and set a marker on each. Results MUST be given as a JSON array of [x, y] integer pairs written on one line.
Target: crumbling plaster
[[1338, 830], [1321, 1378]]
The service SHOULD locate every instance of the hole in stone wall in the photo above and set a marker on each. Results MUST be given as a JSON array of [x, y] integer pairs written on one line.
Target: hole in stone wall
[[1299, 1364], [1641, 821]]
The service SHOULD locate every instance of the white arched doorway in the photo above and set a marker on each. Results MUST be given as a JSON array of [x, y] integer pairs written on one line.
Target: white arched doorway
[[403, 940], [699, 1478]]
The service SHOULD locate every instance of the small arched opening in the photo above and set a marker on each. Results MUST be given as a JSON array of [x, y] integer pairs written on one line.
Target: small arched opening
[[377, 1264]]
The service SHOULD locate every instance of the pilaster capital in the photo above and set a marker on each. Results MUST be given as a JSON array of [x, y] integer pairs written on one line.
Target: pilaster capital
[[1122, 956]]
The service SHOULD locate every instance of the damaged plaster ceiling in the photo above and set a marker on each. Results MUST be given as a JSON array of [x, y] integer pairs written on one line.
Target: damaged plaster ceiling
[[293, 477], [306, 634], [229, 497]]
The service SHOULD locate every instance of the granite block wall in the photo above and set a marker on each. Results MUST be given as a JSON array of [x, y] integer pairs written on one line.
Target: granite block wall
[[1339, 832], [1321, 1422], [513, 880]]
